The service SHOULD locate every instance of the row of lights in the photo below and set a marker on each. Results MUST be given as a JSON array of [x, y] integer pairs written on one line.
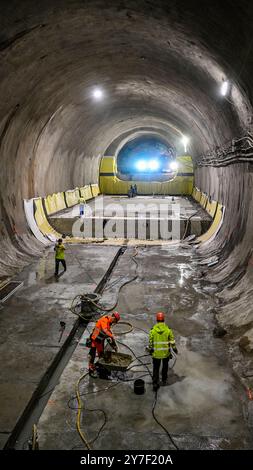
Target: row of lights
[[98, 93], [153, 165]]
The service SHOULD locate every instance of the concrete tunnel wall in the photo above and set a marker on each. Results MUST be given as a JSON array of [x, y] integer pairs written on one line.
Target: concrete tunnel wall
[[160, 63]]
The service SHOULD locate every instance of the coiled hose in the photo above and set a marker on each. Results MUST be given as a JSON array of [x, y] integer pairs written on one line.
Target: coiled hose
[[98, 306], [106, 309]]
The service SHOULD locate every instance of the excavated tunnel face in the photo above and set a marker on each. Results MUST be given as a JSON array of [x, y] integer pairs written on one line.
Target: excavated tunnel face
[[157, 64]]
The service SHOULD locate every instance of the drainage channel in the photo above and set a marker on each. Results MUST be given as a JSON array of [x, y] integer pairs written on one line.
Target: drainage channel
[[22, 432]]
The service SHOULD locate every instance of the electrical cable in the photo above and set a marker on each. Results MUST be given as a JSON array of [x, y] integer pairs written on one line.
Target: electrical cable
[[80, 407], [89, 393], [123, 323], [79, 262], [154, 405], [99, 409], [113, 283], [98, 306], [103, 425], [188, 220], [160, 424]]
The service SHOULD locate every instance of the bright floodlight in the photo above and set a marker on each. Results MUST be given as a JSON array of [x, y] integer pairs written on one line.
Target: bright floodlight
[[185, 141], [224, 88], [141, 165], [174, 166], [97, 94], [153, 165]]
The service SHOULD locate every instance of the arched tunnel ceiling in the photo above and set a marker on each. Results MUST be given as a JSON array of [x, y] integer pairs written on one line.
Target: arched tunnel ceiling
[[159, 63], [169, 135]]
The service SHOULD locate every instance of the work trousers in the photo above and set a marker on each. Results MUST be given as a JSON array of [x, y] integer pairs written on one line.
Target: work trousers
[[57, 262], [156, 368], [95, 347]]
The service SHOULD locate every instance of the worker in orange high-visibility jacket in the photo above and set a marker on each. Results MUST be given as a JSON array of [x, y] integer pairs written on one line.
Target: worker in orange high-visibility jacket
[[101, 332]]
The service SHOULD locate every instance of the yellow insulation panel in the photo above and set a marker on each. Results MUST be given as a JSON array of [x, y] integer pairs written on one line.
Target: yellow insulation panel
[[108, 165], [86, 192], [211, 208], [54, 203], [60, 202], [185, 164], [113, 185], [194, 192], [203, 200], [72, 197], [215, 225], [42, 221], [198, 195], [95, 190]]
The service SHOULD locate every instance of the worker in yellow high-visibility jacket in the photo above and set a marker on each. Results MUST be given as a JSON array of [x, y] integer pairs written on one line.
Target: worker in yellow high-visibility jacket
[[161, 340], [59, 256]]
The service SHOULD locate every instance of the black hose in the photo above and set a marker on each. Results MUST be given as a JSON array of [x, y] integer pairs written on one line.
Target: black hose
[[188, 220], [160, 424], [124, 380], [155, 401], [100, 307]]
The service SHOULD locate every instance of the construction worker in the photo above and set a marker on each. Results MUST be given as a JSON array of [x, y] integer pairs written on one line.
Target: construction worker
[[59, 256], [81, 206], [161, 339], [101, 332]]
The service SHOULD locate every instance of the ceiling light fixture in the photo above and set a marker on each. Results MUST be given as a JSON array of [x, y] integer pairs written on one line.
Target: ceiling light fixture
[[98, 94], [185, 141]]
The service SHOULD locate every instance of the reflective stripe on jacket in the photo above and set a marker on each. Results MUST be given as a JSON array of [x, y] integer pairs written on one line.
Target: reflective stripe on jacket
[[59, 251], [161, 338], [102, 329]]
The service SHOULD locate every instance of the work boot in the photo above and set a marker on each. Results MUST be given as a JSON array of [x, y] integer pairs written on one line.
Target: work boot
[[164, 383], [155, 387], [93, 374]]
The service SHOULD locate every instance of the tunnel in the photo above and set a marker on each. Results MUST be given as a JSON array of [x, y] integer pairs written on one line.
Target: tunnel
[[97, 98]]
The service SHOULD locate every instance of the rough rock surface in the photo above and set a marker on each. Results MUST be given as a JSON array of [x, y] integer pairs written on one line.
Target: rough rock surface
[[159, 63]]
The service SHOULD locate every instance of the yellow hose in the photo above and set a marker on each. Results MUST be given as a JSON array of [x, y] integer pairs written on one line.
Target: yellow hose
[[123, 323], [80, 407]]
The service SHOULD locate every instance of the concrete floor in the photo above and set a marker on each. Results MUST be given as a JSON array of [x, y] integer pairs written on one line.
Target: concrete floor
[[202, 407], [118, 208], [101, 205], [30, 320]]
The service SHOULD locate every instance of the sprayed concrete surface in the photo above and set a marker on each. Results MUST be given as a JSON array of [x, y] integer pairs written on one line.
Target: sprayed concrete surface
[[30, 320], [203, 406]]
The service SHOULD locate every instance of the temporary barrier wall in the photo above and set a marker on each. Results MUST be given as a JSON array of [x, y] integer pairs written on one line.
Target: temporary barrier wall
[[182, 183]]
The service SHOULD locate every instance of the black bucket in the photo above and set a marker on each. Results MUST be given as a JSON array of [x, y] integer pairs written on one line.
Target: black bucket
[[139, 387], [87, 307]]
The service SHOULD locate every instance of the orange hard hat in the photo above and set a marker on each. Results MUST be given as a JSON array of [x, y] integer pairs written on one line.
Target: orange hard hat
[[116, 315], [160, 316]]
